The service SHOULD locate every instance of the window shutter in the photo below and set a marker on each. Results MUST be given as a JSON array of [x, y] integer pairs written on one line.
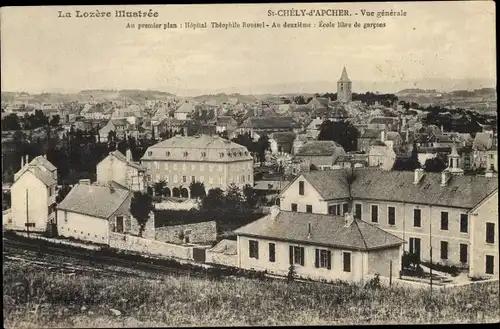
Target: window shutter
[[257, 249], [291, 255], [316, 263], [302, 258], [329, 259]]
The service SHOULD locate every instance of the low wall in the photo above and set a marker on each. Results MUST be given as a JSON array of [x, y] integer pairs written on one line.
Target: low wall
[[185, 204], [148, 246], [204, 232], [221, 258]]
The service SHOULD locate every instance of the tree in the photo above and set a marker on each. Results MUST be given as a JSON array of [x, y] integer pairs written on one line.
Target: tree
[[408, 164], [434, 165], [63, 192], [214, 199], [343, 133], [55, 121], [261, 147], [11, 122], [197, 190], [250, 195], [159, 187], [234, 198], [299, 100], [140, 207]]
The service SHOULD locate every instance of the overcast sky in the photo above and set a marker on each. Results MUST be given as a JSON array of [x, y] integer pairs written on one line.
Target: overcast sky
[[41, 52]]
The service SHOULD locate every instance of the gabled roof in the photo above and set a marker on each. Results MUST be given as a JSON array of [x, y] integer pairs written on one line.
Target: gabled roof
[[326, 230], [283, 137], [371, 134], [383, 120], [319, 148], [376, 184], [94, 200], [119, 155], [482, 141], [44, 176], [226, 247], [40, 160], [269, 123], [186, 107]]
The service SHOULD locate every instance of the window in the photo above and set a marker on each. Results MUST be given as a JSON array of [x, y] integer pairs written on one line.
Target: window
[[221, 155], [463, 253], [444, 220], [210, 168], [220, 168], [490, 232], [347, 261], [184, 179], [444, 250], [415, 246], [323, 259], [242, 178], [157, 165], [253, 248], [203, 154], [183, 167], [374, 213], [167, 153], [50, 192], [202, 167], [185, 154], [345, 208], [119, 224], [297, 255], [294, 207], [249, 178], [357, 210], [417, 219], [202, 179], [221, 180], [272, 252], [193, 167], [65, 217], [150, 153], [391, 214], [301, 188], [175, 166], [489, 264], [175, 178], [211, 180], [166, 165], [309, 208], [193, 179], [464, 223]]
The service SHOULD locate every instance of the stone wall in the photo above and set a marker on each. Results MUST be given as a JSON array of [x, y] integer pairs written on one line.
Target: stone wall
[[204, 232], [221, 258], [147, 246]]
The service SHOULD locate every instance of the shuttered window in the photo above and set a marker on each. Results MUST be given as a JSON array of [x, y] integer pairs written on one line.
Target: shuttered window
[[323, 259], [272, 252], [347, 261], [297, 255]]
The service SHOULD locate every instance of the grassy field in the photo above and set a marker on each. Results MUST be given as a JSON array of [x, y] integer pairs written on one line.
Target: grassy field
[[41, 298]]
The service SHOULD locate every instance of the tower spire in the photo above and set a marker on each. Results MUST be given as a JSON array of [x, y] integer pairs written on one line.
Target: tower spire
[[344, 77]]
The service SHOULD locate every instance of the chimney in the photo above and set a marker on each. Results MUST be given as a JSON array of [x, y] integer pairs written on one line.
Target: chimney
[[419, 173], [349, 218], [382, 136], [26, 160], [84, 181], [22, 162], [274, 211], [445, 176], [128, 154]]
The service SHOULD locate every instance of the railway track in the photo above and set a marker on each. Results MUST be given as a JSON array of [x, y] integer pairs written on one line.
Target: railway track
[[93, 257]]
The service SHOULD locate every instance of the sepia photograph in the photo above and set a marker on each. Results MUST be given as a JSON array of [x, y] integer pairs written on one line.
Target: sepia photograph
[[272, 164]]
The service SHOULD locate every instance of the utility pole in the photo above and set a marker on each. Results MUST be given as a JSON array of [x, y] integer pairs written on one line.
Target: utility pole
[[27, 215], [430, 242]]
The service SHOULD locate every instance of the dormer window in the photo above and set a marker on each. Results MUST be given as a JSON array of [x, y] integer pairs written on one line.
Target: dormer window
[[246, 153], [150, 153], [229, 154], [221, 155], [167, 153], [185, 154], [241, 154], [203, 154]]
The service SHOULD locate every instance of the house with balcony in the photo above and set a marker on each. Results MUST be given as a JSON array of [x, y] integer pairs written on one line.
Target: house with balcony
[[455, 214]]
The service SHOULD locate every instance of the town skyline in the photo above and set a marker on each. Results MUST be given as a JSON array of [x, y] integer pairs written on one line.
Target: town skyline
[[190, 62]]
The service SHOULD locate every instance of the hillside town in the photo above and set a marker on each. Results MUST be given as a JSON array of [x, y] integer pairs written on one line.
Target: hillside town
[[341, 186]]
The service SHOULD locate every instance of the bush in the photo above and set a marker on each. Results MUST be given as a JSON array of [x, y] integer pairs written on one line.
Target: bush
[[453, 270], [374, 282]]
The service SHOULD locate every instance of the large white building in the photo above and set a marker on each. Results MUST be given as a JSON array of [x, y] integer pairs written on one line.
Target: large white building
[[212, 160]]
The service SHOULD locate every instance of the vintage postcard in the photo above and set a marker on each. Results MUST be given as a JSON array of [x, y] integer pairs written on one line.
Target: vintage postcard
[[249, 164]]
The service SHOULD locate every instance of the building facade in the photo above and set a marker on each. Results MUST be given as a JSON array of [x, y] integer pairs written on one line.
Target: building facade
[[211, 160], [121, 169]]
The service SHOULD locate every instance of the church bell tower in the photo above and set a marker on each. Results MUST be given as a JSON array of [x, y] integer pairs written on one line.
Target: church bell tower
[[344, 91]]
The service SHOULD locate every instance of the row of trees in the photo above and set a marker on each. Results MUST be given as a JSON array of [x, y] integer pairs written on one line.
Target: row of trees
[[257, 148], [29, 121], [343, 133]]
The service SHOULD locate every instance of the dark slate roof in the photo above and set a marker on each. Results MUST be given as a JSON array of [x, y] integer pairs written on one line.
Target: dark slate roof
[[371, 134], [284, 137], [318, 148], [119, 122], [377, 184], [40, 160], [268, 123], [326, 230], [94, 200]]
